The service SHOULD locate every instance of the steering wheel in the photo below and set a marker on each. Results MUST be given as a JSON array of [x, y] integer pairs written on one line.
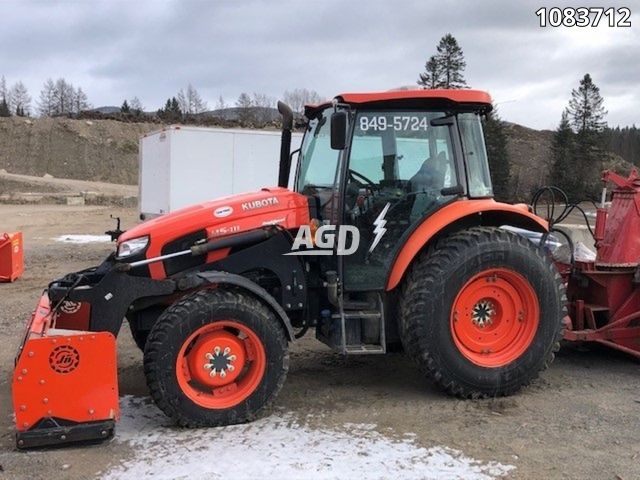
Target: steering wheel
[[353, 175]]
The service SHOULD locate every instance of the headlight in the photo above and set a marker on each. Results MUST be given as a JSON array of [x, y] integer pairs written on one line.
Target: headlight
[[133, 246]]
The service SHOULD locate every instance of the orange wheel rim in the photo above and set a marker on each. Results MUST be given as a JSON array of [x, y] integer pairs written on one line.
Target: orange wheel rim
[[221, 364], [495, 317]]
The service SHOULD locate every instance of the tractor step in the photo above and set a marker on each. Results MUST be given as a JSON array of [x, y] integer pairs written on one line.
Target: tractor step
[[364, 349], [361, 331]]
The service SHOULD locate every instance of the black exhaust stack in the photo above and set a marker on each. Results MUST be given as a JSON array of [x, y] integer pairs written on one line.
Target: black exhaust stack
[[285, 145]]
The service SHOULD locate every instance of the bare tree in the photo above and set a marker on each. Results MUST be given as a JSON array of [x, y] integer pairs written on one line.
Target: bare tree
[[80, 101], [244, 104], [244, 101], [63, 96], [221, 105], [299, 97], [263, 104], [191, 102], [136, 106], [47, 101], [263, 100], [19, 100]]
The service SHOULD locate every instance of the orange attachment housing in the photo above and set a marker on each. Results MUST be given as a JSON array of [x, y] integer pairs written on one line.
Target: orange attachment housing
[[11, 256], [68, 375]]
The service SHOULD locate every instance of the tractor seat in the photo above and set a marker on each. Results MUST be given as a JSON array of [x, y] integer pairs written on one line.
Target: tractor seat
[[427, 180]]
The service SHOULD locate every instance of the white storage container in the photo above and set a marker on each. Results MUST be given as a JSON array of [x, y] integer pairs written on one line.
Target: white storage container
[[182, 166]]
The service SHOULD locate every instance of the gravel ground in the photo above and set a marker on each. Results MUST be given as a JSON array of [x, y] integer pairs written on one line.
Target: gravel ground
[[368, 416]]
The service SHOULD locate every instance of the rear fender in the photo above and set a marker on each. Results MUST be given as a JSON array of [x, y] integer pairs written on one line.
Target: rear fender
[[456, 216]]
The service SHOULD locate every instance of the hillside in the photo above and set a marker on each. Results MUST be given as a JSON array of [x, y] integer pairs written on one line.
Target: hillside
[[102, 150], [530, 155], [107, 150]]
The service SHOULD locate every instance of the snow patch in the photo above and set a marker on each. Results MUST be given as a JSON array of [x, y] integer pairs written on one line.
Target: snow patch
[[280, 446], [82, 238]]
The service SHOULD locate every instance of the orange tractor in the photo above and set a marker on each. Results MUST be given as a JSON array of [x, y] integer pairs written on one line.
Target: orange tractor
[[389, 236]]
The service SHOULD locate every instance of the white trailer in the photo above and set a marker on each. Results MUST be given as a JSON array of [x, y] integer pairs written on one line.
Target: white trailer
[[181, 165]]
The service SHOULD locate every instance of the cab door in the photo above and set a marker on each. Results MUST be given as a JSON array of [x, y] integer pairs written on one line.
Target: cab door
[[400, 169]]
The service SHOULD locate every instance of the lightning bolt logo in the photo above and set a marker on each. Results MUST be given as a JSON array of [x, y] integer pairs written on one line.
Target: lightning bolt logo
[[379, 229]]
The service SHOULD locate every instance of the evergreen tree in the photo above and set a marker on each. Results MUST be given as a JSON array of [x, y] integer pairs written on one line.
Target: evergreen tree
[[431, 78], [125, 107], [564, 163], [4, 109], [3, 89], [498, 156], [445, 68], [586, 107], [171, 111], [624, 142], [586, 115]]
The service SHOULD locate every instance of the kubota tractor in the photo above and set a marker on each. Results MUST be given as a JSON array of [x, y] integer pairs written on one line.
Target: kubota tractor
[[389, 235]]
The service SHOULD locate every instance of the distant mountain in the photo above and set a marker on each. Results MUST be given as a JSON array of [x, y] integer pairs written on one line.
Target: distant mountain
[[107, 110]]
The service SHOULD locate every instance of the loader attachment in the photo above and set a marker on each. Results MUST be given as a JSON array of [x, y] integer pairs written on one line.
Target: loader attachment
[[65, 386]]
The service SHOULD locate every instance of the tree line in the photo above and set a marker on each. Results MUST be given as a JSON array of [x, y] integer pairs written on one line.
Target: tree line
[[61, 98], [580, 144]]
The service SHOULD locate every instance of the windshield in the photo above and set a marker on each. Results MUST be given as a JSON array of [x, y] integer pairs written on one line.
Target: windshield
[[319, 163]]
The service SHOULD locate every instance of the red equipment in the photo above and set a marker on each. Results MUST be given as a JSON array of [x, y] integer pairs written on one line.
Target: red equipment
[[604, 295], [56, 385], [11, 257]]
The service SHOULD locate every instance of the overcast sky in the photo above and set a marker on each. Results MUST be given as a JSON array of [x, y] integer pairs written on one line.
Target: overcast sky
[[121, 49]]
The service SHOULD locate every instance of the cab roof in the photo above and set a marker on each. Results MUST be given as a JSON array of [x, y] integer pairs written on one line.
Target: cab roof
[[417, 98]]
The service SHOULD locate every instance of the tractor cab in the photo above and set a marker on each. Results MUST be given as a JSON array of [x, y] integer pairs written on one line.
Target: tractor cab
[[383, 163]]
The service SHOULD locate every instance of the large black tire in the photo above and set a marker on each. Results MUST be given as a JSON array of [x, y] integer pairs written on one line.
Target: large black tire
[[188, 315], [434, 286]]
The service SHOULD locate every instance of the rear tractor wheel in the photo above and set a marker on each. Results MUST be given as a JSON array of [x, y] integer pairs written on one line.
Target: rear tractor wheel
[[482, 312], [216, 357]]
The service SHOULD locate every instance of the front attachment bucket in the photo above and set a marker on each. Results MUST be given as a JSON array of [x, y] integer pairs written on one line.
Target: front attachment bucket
[[65, 386]]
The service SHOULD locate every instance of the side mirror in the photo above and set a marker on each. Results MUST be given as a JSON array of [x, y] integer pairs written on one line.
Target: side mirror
[[339, 130]]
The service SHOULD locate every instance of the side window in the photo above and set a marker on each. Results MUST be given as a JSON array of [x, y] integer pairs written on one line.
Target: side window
[[319, 161], [367, 156], [476, 155]]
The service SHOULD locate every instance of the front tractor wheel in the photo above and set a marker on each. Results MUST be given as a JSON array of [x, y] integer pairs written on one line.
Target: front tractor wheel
[[482, 312], [216, 357]]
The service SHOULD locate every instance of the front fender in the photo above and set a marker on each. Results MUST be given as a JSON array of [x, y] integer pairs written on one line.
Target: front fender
[[224, 278], [483, 212]]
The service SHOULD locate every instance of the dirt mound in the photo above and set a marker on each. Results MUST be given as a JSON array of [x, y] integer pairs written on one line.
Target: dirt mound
[[107, 150], [102, 150], [530, 155]]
